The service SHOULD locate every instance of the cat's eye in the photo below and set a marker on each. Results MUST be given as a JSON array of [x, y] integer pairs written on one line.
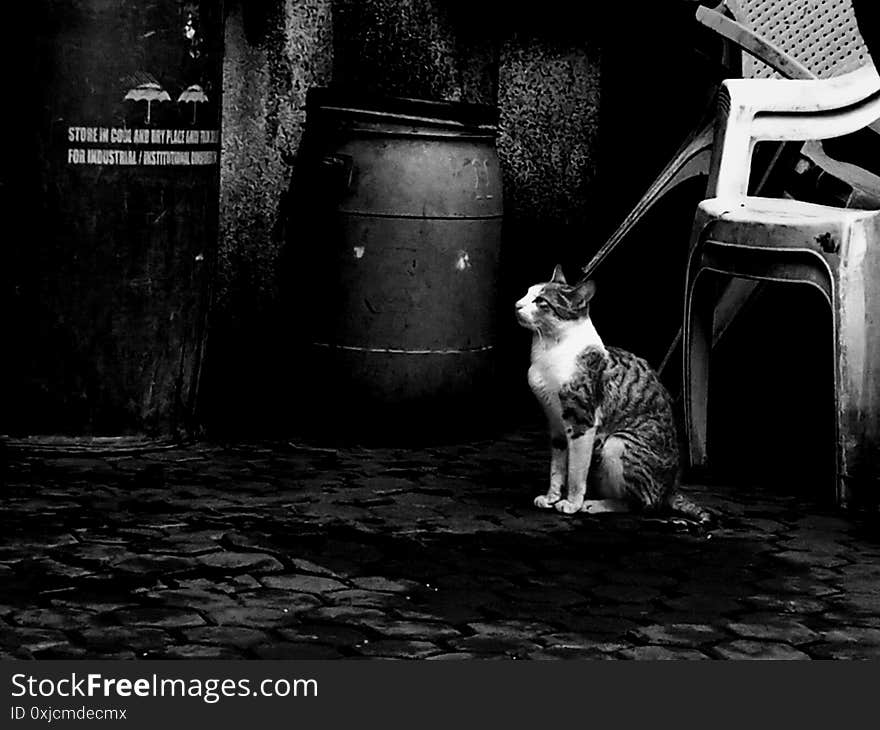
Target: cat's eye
[[541, 302]]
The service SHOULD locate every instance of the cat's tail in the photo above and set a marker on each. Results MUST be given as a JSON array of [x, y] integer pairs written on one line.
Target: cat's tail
[[681, 505]]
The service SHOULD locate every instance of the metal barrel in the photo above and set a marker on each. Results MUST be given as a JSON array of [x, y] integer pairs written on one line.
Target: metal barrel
[[404, 272], [120, 150]]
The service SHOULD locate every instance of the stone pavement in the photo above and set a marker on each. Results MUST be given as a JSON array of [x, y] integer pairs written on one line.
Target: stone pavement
[[284, 550]]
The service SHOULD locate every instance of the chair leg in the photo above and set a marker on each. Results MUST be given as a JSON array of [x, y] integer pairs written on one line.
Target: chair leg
[[857, 405], [697, 348], [858, 373]]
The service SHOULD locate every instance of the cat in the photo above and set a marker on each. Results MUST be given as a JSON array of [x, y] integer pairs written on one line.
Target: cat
[[612, 430]]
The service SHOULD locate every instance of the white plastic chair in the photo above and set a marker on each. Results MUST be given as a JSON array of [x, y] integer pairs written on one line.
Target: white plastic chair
[[836, 250]]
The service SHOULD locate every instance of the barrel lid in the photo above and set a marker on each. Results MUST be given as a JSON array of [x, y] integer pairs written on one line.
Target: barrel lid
[[479, 117]]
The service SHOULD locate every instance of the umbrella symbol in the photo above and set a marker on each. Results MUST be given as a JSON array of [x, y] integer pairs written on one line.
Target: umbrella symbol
[[194, 94], [149, 92]]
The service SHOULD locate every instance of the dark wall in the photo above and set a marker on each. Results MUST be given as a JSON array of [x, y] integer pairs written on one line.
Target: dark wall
[[659, 72]]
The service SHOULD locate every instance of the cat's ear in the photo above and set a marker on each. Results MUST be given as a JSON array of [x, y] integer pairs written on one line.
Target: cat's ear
[[558, 276], [583, 292]]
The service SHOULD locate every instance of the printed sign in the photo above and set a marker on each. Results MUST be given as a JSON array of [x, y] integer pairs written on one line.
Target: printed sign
[[164, 146]]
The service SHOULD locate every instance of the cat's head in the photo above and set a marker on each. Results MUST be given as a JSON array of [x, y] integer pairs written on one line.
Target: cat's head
[[555, 304]]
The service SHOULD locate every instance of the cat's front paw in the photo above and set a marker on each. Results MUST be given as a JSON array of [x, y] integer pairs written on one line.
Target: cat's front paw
[[544, 502], [567, 507]]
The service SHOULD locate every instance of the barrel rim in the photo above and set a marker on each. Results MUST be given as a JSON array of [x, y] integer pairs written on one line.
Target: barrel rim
[[401, 109]]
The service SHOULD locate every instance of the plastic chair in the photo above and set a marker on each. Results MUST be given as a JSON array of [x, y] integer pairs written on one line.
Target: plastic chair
[[835, 250]]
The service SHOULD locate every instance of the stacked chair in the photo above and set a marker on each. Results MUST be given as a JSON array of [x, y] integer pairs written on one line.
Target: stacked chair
[[808, 77]]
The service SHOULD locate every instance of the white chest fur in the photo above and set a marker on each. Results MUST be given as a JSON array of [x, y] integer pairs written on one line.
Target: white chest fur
[[554, 362]]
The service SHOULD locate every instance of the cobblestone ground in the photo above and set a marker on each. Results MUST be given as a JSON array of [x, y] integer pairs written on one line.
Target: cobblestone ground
[[288, 551]]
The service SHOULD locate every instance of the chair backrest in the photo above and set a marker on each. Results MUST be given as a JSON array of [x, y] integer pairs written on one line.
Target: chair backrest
[[821, 34]]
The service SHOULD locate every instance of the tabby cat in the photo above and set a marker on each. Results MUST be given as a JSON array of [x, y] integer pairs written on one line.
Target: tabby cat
[[612, 431]]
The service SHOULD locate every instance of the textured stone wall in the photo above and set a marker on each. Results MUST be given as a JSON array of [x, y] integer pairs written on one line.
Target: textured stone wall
[[416, 48], [549, 98], [268, 69], [275, 51]]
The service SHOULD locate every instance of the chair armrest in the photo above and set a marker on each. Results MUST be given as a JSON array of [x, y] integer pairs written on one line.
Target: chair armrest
[[805, 95], [752, 110]]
